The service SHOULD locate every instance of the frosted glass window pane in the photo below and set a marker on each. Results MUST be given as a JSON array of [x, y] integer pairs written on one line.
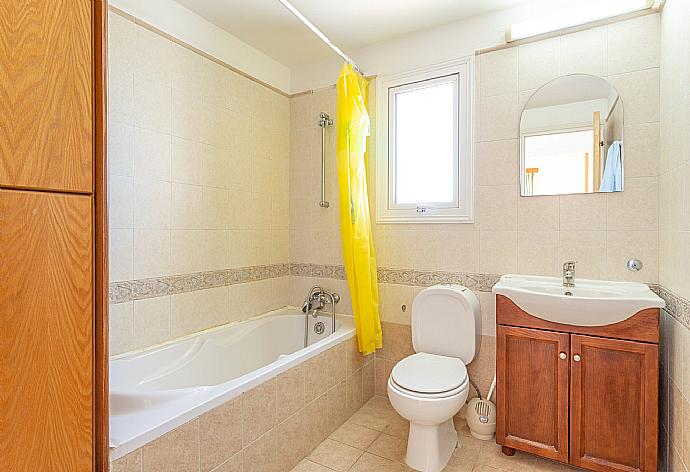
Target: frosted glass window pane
[[424, 125]]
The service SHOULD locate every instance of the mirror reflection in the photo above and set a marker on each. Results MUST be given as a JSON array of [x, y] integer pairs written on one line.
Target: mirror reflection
[[571, 138]]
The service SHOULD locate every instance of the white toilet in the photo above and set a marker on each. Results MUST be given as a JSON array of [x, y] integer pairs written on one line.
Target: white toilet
[[428, 388]]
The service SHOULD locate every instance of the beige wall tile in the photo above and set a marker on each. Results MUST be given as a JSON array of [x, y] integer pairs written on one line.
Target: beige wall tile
[[151, 253], [392, 298], [121, 202], [582, 212], [258, 411], [129, 463], [234, 464], [151, 321], [220, 433], [498, 252], [497, 207], [642, 144], [260, 456], [151, 204], [634, 44], [290, 442], [177, 450], [198, 310], [152, 154], [588, 248], [622, 246], [488, 312], [636, 208], [498, 72], [639, 92], [584, 52], [121, 249], [120, 149], [538, 213], [538, 252], [290, 391], [498, 162], [498, 117], [152, 105], [121, 321], [539, 62]]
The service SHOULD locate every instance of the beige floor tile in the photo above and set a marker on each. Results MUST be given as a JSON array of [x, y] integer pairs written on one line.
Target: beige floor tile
[[468, 450], [398, 427], [390, 447], [335, 455], [485, 468], [372, 463], [355, 435], [308, 466], [369, 420], [491, 455]]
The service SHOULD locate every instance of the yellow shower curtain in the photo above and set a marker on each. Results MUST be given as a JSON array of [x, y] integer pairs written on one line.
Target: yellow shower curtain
[[352, 122]]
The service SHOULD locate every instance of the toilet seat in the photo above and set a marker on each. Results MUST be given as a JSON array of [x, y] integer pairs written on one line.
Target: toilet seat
[[430, 375], [462, 389]]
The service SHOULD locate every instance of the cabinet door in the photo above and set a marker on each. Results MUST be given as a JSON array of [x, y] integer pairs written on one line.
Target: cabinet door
[[46, 340], [613, 417], [532, 391], [46, 94]]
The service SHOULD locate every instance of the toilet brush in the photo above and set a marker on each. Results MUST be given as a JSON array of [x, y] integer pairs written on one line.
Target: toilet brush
[[481, 416]]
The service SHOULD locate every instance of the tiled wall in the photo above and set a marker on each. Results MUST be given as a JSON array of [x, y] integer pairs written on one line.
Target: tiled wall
[[198, 177], [269, 428], [674, 235], [510, 234]]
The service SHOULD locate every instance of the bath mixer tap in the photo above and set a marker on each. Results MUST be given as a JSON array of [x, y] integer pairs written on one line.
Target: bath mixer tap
[[316, 301], [569, 274]]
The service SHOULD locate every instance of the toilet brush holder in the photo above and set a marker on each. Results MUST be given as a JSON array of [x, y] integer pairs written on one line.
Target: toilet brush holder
[[481, 418]]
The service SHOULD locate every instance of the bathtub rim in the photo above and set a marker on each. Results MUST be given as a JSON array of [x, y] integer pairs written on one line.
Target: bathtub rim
[[219, 394]]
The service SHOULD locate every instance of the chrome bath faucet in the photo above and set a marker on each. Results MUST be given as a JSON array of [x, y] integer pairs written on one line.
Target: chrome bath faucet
[[569, 274]]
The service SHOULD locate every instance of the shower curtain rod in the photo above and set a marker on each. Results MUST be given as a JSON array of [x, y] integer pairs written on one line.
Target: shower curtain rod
[[318, 33]]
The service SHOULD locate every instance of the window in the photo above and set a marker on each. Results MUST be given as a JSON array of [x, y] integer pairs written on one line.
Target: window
[[424, 173]]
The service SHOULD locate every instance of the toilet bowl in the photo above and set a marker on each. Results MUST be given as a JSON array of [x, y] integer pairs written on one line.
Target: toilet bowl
[[428, 388]]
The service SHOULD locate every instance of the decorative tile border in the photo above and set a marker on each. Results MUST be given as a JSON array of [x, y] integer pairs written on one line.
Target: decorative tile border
[[676, 306], [127, 291]]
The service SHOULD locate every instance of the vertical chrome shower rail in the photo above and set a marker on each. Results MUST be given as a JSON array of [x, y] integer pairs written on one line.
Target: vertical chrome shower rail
[[324, 121]]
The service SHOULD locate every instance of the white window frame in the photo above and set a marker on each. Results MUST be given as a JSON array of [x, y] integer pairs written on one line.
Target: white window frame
[[461, 210]]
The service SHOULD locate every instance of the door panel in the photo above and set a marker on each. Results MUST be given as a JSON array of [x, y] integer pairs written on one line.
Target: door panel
[[46, 314], [46, 94], [613, 404], [532, 391]]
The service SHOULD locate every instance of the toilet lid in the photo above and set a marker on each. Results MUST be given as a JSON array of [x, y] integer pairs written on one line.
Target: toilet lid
[[429, 373]]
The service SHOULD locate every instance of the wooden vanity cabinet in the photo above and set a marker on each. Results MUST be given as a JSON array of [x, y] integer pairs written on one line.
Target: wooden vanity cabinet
[[580, 395]]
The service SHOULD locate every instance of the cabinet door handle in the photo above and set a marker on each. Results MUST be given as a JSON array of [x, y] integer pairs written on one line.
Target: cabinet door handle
[[563, 355], [577, 358]]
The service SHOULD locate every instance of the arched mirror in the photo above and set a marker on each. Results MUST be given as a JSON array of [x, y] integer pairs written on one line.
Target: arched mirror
[[571, 138]]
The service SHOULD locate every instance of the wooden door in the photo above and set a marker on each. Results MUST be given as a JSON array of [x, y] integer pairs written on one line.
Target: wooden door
[[46, 94], [613, 401], [532, 391], [46, 314]]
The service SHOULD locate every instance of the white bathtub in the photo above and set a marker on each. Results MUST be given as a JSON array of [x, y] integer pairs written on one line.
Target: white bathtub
[[155, 391]]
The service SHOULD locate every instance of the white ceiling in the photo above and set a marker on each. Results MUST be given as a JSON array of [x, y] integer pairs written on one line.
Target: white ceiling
[[351, 24]]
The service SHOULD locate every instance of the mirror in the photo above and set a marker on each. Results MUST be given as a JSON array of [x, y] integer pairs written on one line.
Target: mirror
[[571, 138]]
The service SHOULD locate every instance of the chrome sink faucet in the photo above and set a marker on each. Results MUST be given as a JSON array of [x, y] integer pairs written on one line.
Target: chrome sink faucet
[[569, 274]]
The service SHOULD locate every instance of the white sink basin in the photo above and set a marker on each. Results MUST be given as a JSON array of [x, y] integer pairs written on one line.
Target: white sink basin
[[588, 303]]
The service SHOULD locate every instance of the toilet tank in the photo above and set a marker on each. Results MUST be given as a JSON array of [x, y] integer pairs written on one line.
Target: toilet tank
[[446, 320]]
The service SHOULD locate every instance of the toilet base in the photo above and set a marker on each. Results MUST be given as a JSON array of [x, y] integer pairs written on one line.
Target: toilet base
[[429, 447]]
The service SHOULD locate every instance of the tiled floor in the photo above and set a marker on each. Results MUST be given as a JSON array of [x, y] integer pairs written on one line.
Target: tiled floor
[[374, 440]]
